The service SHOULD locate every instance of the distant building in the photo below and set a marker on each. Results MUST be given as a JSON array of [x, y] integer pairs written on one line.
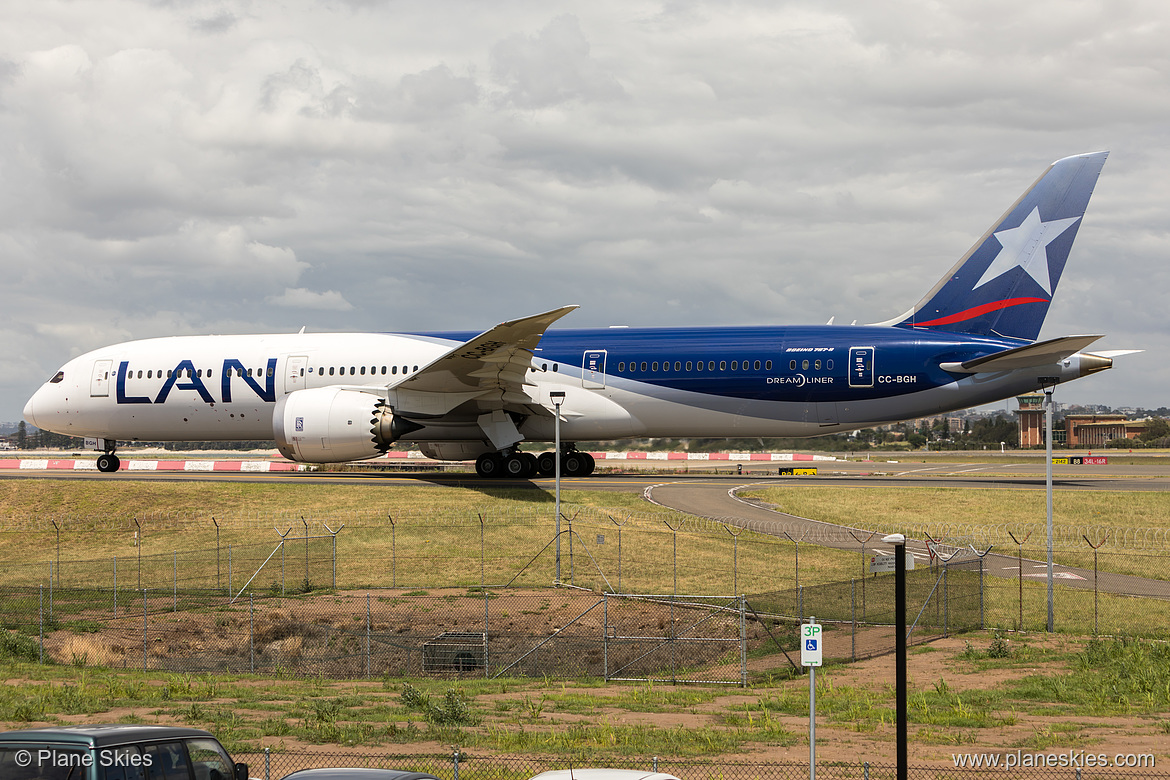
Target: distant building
[[1075, 430]]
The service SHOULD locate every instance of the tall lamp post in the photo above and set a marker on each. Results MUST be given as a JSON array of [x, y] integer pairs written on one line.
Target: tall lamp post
[[558, 397], [898, 541], [1049, 386]]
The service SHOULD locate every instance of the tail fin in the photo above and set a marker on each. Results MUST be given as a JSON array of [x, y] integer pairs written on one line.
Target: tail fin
[[1004, 284]]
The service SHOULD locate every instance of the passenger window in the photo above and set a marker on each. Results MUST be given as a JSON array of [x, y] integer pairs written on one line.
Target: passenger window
[[654, 366], [208, 760], [756, 365], [804, 365], [698, 365], [363, 370], [768, 366], [722, 365], [383, 370], [710, 365], [678, 365], [123, 763], [555, 367], [735, 365], [688, 365], [829, 364], [643, 365], [621, 368], [330, 371], [167, 762], [817, 365], [416, 368], [393, 369]]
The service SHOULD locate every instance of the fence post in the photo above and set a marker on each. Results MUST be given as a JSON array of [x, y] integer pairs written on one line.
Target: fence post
[[115, 586], [853, 618], [1020, 574], [605, 634], [800, 603], [267, 763], [947, 599], [144, 629], [367, 635], [50, 592], [41, 612], [251, 633], [175, 581], [982, 622], [393, 552], [742, 641], [334, 535], [231, 590], [455, 761]]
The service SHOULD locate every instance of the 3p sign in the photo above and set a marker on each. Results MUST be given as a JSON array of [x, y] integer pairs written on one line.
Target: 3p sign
[[810, 644]]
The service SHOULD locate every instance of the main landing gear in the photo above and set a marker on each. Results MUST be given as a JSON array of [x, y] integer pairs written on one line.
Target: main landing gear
[[108, 462], [515, 464]]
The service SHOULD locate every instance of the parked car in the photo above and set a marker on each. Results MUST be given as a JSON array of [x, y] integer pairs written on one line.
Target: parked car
[[601, 773], [356, 773], [115, 752]]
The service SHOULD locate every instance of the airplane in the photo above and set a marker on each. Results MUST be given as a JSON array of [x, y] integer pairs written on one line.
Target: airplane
[[340, 397]]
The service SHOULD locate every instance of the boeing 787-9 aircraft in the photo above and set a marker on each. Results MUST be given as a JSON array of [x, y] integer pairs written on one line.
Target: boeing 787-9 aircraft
[[337, 397]]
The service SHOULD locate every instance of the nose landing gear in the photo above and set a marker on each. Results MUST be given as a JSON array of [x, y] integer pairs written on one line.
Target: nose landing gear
[[108, 462]]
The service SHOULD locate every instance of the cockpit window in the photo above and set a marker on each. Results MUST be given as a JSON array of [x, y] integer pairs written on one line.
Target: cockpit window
[[60, 375]]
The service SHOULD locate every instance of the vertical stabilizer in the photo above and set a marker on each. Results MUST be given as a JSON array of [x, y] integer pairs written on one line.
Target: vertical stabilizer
[[1003, 286]]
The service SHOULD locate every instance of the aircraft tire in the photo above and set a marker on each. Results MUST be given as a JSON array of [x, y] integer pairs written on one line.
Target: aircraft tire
[[108, 463], [590, 464], [489, 465], [546, 464], [515, 466], [530, 463], [573, 465]]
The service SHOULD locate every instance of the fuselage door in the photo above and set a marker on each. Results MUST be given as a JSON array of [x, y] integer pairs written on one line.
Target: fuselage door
[[294, 373], [593, 369], [861, 366], [99, 383]]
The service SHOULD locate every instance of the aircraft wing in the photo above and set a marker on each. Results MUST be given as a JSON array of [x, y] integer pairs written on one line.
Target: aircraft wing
[[1042, 353], [489, 367]]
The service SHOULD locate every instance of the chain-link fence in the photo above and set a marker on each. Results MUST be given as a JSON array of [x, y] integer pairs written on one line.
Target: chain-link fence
[[487, 632], [270, 765]]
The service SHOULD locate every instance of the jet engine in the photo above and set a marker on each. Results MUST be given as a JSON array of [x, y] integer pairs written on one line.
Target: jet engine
[[334, 425]]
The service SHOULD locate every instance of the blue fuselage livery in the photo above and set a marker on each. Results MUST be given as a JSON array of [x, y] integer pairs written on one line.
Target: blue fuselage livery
[[460, 395]]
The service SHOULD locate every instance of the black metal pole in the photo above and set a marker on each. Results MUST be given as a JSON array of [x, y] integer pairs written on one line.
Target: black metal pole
[[900, 650]]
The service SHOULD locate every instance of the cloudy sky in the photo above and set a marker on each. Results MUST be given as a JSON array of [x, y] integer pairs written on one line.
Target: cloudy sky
[[182, 167]]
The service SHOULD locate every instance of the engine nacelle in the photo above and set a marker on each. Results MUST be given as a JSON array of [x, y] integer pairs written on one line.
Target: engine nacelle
[[332, 425], [454, 450]]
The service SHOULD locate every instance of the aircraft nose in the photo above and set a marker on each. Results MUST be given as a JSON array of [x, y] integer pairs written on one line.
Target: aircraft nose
[[29, 413]]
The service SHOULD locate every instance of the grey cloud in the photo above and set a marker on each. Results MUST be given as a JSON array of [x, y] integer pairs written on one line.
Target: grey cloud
[[552, 67]]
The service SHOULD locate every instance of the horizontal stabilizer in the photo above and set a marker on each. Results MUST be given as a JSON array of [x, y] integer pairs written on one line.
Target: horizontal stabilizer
[[1042, 353], [1112, 353]]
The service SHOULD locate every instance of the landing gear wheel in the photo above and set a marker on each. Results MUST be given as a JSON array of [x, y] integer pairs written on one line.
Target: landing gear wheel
[[515, 465], [590, 463], [489, 465], [546, 464], [573, 465], [108, 463], [530, 465]]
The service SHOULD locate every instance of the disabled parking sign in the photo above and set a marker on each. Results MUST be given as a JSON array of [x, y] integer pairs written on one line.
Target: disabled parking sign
[[810, 644]]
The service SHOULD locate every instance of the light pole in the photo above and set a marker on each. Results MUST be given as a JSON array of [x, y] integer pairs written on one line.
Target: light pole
[[558, 397], [1049, 386], [898, 541]]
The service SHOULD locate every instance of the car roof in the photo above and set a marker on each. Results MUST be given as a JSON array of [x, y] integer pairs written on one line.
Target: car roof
[[103, 735], [602, 773], [356, 773]]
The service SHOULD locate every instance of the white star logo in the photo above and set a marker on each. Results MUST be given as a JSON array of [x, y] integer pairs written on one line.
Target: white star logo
[[1026, 247]]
